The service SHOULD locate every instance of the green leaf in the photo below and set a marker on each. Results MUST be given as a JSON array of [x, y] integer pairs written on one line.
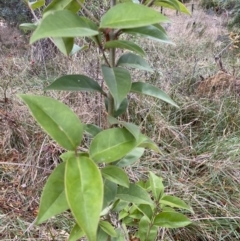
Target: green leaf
[[53, 199], [101, 235], [57, 119], [75, 83], [133, 129], [116, 175], [36, 4], [111, 145], [176, 202], [119, 83], [129, 15], [84, 192], [110, 192], [133, 61], [134, 212], [171, 220], [131, 157], [173, 4], [120, 205], [146, 210], [153, 233], [150, 90], [154, 32], [143, 228], [71, 5], [156, 186], [120, 235], [62, 23], [66, 155], [76, 233], [28, 26], [65, 45], [146, 142], [123, 44], [93, 130], [122, 108], [108, 228], [123, 214], [134, 194]]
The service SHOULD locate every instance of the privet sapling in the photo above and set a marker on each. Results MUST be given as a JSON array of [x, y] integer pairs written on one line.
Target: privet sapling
[[78, 184]]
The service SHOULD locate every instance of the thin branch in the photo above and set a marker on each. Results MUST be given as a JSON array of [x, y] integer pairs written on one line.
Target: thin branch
[[220, 53], [103, 52]]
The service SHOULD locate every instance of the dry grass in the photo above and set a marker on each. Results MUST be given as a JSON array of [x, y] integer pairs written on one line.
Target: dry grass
[[199, 141]]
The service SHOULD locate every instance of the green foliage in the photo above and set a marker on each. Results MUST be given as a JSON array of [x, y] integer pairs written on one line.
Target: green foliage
[[92, 192]]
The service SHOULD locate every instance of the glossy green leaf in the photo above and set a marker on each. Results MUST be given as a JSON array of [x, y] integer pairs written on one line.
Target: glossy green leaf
[[167, 209], [153, 233], [144, 184], [154, 32], [108, 228], [144, 226], [134, 194], [119, 83], [84, 193], [57, 119], [76, 233], [66, 155], [146, 142], [116, 175], [110, 192], [53, 199], [171, 220], [111, 145], [75, 83], [62, 23], [65, 45], [71, 5], [134, 213], [131, 157], [122, 108], [156, 186], [123, 44], [150, 90], [173, 4], [176, 202], [133, 61], [123, 214], [28, 26], [36, 4], [101, 235], [133, 129], [128, 221], [93, 130], [129, 15], [120, 235], [120, 205], [146, 210]]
